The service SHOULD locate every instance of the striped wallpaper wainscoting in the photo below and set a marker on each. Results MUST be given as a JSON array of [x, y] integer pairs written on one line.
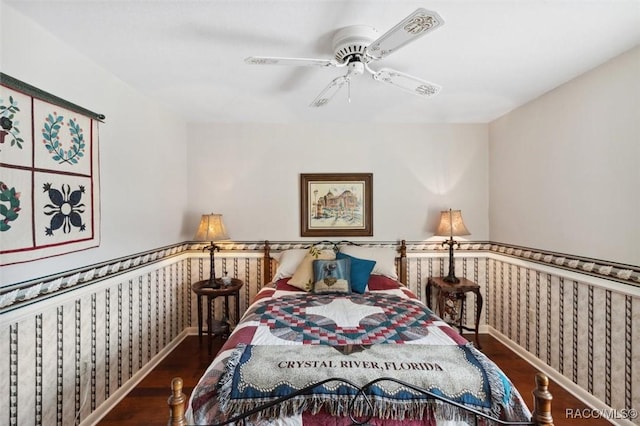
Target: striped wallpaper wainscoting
[[586, 329], [75, 343], [69, 354]]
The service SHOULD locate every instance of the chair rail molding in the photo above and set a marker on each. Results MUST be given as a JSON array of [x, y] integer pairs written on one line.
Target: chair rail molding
[[20, 294]]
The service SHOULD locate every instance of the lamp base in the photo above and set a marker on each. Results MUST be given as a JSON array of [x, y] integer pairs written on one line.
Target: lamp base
[[451, 279], [213, 283]]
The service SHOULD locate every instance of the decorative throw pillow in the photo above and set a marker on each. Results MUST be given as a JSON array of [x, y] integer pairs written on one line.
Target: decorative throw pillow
[[331, 276], [288, 261], [380, 282], [385, 258], [303, 277], [360, 271]]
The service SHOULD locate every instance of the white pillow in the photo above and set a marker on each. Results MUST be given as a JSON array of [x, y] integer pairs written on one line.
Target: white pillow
[[288, 261], [385, 258]]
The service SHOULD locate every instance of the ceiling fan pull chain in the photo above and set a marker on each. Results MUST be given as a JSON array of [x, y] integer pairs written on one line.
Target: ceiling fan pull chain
[[349, 90]]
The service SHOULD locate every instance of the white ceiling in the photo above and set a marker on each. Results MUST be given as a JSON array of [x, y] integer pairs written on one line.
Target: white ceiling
[[490, 56]]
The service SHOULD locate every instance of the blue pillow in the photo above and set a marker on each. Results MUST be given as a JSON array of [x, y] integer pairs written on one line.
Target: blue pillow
[[331, 276], [360, 271]]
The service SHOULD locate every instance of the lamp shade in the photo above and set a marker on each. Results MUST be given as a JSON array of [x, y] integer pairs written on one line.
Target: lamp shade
[[211, 228], [451, 224]]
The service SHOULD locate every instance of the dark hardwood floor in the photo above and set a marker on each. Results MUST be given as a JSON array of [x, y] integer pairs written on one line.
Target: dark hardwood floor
[[147, 403]]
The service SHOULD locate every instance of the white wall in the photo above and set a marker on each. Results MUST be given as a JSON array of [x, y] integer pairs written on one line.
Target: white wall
[[142, 147], [565, 168], [250, 173]]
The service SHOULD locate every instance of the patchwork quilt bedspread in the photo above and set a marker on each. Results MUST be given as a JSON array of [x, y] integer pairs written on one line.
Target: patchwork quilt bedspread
[[385, 340]]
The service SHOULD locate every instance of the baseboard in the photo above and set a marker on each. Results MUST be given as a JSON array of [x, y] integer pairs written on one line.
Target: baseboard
[[588, 399], [130, 384]]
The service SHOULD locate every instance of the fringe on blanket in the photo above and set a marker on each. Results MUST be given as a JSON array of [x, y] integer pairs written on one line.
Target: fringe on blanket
[[339, 407], [365, 405], [503, 394], [226, 381]]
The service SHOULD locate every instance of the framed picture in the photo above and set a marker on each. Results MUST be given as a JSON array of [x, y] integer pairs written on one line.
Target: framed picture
[[336, 204]]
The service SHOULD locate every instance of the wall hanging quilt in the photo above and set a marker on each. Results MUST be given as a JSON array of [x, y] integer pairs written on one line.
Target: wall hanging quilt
[[49, 176]]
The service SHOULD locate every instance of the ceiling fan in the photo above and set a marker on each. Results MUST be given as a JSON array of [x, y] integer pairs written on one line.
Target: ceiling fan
[[357, 46]]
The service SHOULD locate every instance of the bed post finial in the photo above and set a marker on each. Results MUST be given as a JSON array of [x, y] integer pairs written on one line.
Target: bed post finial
[[542, 401], [402, 275], [176, 404], [266, 256]]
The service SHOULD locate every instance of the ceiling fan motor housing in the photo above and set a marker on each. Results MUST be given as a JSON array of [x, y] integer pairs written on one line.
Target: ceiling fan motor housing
[[349, 43]]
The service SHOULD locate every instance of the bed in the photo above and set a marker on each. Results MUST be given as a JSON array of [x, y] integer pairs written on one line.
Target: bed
[[335, 338]]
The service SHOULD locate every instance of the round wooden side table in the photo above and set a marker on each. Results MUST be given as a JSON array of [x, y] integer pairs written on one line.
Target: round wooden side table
[[203, 289]]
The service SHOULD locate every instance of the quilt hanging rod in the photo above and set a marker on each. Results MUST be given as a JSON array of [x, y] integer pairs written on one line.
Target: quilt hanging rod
[[27, 89]]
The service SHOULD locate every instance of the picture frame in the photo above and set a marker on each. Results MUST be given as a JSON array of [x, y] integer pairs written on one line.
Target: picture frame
[[336, 204]]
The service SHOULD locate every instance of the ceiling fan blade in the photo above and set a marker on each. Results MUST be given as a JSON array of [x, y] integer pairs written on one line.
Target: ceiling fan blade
[[329, 92], [296, 62], [410, 28], [407, 82]]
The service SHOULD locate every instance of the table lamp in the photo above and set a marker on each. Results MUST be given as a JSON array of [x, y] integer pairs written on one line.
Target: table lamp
[[211, 229], [451, 225]]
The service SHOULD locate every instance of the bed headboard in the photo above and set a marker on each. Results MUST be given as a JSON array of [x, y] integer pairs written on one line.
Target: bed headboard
[[269, 271]]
